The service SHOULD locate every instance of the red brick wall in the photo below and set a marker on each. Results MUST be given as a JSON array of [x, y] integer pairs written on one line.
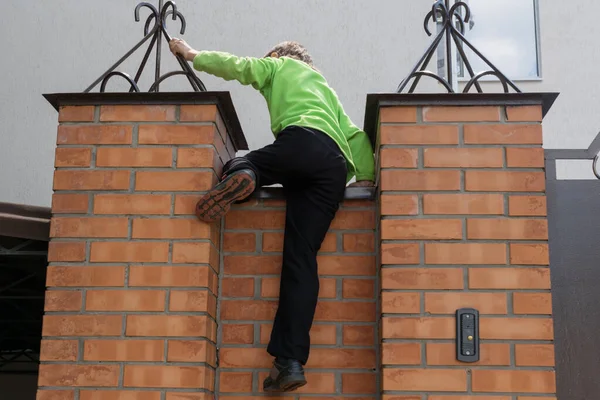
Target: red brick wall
[[343, 357], [132, 281], [464, 225], [141, 295]]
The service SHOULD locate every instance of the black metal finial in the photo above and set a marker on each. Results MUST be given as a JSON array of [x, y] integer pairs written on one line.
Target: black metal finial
[[156, 33], [452, 28]]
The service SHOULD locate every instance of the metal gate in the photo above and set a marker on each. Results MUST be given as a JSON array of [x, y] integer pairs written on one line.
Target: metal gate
[[574, 225]]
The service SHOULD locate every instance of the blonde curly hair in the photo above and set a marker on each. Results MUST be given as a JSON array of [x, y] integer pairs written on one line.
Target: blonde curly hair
[[292, 50]]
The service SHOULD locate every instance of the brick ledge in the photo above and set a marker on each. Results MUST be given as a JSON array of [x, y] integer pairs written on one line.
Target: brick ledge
[[221, 99], [377, 100], [352, 193], [25, 221]]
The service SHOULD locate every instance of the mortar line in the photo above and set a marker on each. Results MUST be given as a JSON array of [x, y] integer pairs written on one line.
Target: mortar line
[[80, 349], [219, 322], [165, 350], [378, 291], [419, 116], [121, 382], [469, 381], [510, 303], [513, 355], [256, 333], [504, 114], [338, 382], [257, 287]]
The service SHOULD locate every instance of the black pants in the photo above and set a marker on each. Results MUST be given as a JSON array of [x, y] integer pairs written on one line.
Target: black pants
[[312, 170]]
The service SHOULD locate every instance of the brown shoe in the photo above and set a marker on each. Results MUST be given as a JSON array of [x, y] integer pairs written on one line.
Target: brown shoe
[[216, 203]]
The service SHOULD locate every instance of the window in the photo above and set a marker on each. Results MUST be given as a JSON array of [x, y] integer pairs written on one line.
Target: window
[[507, 33]]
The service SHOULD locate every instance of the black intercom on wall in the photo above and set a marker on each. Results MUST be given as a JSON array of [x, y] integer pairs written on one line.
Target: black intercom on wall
[[467, 335]]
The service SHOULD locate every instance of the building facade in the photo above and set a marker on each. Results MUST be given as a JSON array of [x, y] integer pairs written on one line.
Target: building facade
[[361, 46]]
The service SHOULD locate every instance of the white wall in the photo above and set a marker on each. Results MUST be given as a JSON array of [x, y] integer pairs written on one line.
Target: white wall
[[361, 46]]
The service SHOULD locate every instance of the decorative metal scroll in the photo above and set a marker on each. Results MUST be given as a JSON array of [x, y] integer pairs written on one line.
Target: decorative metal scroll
[[159, 29], [452, 29]]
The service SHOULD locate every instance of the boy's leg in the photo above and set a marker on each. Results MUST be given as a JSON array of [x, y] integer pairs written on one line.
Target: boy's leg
[[313, 171], [242, 176], [310, 210]]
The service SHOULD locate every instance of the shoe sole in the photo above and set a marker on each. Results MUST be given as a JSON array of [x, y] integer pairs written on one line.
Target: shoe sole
[[287, 384], [217, 202]]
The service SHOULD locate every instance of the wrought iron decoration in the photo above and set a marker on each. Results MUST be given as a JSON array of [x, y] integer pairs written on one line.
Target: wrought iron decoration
[[453, 29], [159, 17]]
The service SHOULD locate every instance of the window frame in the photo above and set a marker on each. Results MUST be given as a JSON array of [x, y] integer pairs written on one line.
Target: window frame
[[538, 48]]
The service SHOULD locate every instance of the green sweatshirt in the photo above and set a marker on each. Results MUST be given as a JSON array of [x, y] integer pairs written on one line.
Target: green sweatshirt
[[296, 95]]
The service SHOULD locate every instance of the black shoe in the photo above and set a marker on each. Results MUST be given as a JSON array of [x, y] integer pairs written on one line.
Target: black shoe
[[216, 203], [285, 376]]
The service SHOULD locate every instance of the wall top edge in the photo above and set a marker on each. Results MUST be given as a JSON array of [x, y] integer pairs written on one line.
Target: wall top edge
[[221, 99], [377, 100]]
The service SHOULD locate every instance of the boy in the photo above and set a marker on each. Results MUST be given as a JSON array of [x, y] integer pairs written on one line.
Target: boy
[[316, 152]]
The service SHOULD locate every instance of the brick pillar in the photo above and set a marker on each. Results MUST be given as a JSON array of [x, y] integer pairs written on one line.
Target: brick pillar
[[463, 224], [132, 281]]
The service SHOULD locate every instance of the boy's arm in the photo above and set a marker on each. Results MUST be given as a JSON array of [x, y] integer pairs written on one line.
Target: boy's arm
[[246, 70], [360, 147]]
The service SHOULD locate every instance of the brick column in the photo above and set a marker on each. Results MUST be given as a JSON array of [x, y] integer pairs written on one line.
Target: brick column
[[463, 224], [132, 281]]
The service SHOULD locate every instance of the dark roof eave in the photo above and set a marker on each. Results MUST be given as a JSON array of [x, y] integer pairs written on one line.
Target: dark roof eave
[[25, 222]]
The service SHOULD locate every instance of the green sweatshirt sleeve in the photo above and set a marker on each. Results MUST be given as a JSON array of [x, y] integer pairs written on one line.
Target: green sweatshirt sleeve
[[360, 148], [257, 72]]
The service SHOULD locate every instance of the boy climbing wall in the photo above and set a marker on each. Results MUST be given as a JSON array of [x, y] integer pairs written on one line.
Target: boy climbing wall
[[317, 151]]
